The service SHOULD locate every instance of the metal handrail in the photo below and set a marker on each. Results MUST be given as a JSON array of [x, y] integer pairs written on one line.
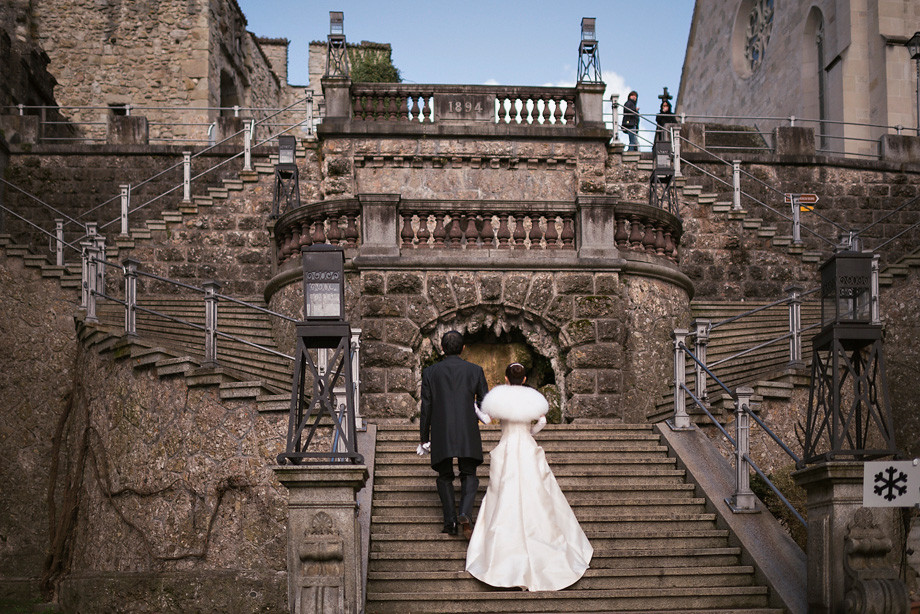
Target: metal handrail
[[775, 490], [785, 299]]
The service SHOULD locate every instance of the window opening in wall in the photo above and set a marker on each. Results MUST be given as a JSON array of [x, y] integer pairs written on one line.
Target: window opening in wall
[[760, 26], [118, 109]]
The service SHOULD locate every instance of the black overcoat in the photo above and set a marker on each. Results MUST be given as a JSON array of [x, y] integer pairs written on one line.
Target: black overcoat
[[448, 420]]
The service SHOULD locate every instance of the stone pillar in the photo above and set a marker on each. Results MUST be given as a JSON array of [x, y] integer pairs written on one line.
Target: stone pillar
[[324, 558], [337, 92], [793, 141], [842, 536], [596, 227], [379, 225], [589, 104], [900, 148], [127, 130]]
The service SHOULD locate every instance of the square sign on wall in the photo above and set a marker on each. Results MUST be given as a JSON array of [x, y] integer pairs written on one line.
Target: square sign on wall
[[891, 483]]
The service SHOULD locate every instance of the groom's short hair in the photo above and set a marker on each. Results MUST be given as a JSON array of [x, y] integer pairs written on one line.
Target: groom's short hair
[[452, 343]]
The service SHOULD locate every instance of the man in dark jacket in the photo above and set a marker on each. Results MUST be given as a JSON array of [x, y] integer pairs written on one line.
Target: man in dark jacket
[[450, 388], [631, 120]]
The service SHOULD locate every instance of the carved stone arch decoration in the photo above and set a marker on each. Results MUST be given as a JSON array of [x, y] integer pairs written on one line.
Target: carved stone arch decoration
[[541, 335]]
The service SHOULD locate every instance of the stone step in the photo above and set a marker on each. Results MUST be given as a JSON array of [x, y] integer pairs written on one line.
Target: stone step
[[454, 559], [664, 578], [569, 600], [586, 486], [429, 508]]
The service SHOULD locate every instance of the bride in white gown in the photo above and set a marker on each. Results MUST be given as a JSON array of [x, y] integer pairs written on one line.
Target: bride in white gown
[[526, 534]]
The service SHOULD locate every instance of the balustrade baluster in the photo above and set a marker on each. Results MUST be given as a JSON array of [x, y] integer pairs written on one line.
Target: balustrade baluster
[[334, 233], [407, 234], [569, 110], [351, 230], [454, 234], [519, 233], [439, 233], [621, 237], [319, 232], [357, 107], [557, 111], [393, 108], [507, 105], [487, 230], [471, 234], [670, 249], [568, 233], [414, 109], [305, 238], [552, 235], [648, 241], [635, 233], [535, 233], [504, 233], [423, 232], [659, 240], [427, 111]]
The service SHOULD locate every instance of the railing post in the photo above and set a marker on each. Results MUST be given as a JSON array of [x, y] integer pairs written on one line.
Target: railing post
[[796, 222], [614, 104], [875, 310], [675, 142], [59, 242], [795, 327], [125, 205], [701, 340], [84, 274], [681, 418], [210, 323], [792, 121], [186, 176], [90, 280], [743, 500], [736, 185], [247, 145], [309, 115], [130, 265], [356, 374], [99, 244]]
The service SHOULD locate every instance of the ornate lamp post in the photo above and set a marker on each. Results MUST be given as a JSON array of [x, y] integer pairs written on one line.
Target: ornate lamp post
[[287, 177], [324, 328], [913, 48], [589, 64], [662, 192], [848, 411]]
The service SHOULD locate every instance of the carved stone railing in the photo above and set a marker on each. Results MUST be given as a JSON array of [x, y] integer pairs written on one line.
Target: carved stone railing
[[336, 222], [383, 225], [419, 103]]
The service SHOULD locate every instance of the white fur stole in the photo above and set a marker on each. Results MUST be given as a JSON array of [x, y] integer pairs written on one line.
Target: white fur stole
[[514, 403]]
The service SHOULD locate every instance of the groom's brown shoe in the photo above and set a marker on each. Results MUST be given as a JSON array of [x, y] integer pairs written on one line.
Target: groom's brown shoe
[[466, 525]]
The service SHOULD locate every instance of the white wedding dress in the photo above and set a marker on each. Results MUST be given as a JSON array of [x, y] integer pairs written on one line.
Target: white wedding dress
[[526, 534]]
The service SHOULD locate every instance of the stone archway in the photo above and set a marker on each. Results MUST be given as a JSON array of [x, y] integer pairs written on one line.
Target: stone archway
[[515, 334]]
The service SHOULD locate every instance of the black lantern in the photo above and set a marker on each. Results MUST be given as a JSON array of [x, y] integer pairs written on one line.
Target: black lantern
[[336, 48], [846, 289], [849, 414], [322, 393], [323, 283], [662, 192], [287, 177], [589, 64]]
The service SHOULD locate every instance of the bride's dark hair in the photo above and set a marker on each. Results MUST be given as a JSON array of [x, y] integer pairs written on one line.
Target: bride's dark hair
[[516, 374]]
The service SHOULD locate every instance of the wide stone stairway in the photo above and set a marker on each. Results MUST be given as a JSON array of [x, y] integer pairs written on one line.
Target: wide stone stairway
[[656, 545]]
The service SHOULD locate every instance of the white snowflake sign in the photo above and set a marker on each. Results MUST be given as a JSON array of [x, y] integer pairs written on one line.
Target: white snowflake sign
[[891, 483]]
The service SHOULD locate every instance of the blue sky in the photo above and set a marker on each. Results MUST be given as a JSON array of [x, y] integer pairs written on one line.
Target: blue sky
[[509, 42]]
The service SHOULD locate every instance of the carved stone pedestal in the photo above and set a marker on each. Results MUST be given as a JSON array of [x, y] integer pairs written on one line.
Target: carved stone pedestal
[[852, 550], [323, 549]]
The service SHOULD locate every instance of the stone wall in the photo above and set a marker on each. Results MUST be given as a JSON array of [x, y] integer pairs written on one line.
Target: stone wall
[[176, 503], [727, 261], [37, 371]]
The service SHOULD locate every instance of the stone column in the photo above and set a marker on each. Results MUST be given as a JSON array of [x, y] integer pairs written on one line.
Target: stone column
[[324, 558], [847, 552]]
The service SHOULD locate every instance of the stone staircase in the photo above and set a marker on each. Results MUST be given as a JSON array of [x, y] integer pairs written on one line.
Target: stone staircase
[[657, 545]]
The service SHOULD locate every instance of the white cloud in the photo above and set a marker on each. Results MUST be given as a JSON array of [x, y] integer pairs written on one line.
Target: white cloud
[[491, 82]]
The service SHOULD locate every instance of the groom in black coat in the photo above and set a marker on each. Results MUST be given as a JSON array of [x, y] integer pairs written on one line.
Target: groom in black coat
[[448, 421]]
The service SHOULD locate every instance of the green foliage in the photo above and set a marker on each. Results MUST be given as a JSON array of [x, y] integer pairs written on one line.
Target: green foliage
[[372, 67], [782, 479]]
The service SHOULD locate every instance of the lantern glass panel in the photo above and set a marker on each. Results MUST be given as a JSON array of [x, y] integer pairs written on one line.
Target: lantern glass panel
[[846, 288], [323, 283], [286, 147]]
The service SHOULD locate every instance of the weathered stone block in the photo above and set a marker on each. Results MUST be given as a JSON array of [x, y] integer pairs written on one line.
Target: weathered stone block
[[595, 406], [541, 292], [402, 332], [611, 330], [490, 287], [373, 380], [595, 306], [464, 288], [440, 293], [516, 289], [597, 356], [583, 381], [402, 380], [419, 310], [579, 332], [372, 283], [405, 283], [383, 306], [575, 283], [377, 354], [560, 309], [390, 405], [609, 381]]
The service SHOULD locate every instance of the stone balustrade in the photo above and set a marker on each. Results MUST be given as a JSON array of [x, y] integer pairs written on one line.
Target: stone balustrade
[[385, 225], [406, 102]]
